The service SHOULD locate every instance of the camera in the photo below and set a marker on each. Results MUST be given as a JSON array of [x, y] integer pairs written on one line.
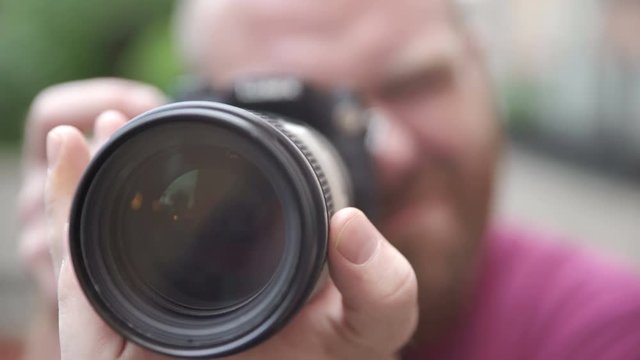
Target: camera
[[201, 227]]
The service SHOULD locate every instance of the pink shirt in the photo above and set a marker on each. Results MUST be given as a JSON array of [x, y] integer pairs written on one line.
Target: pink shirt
[[543, 300]]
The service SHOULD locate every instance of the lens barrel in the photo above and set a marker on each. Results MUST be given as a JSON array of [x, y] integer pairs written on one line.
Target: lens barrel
[[201, 228]]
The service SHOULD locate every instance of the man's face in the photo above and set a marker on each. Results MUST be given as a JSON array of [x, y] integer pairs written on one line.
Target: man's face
[[436, 144]]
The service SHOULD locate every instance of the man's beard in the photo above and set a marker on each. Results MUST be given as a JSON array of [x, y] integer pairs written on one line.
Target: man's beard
[[426, 217]]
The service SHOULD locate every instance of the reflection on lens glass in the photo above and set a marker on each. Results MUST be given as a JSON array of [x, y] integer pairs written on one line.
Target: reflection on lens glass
[[199, 226]]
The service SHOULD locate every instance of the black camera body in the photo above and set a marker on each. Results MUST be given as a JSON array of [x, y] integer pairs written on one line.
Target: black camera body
[[201, 227], [338, 114]]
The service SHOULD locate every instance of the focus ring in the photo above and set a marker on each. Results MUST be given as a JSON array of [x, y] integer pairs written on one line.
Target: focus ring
[[311, 159]]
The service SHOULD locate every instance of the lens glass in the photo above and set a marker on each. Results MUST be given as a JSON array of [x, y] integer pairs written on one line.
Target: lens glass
[[195, 225]]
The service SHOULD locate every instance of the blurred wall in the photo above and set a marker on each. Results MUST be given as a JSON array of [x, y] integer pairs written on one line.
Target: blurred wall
[[568, 72]]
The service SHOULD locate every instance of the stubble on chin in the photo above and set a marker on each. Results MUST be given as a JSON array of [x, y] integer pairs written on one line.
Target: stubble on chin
[[428, 225]]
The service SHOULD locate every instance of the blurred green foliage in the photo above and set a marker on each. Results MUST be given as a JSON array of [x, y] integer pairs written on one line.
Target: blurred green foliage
[[48, 42]]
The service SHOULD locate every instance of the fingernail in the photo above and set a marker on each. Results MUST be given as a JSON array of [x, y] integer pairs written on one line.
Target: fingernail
[[358, 240], [54, 144], [107, 114]]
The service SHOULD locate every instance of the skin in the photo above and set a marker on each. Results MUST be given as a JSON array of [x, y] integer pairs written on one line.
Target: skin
[[438, 144], [399, 283]]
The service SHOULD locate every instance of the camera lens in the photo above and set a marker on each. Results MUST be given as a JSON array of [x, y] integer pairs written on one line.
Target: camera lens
[[200, 228]]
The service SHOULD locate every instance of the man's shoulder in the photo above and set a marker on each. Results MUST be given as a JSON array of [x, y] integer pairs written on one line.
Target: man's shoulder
[[555, 299], [523, 257]]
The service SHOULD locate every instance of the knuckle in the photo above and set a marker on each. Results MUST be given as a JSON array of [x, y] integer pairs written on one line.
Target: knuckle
[[389, 316], [28, 207], [30, 203], [43, 105], [404, 301], [402, 289], [33, 248]]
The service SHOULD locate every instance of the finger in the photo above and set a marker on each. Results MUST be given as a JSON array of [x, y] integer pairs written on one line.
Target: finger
[[30, 198], [377, 283], [33, 244], [78, 104], [83, 334], [35, 255], [106, 124], [68, 156]]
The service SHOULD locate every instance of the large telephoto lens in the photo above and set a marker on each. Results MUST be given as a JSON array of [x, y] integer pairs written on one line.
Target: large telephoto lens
[[200, 228]]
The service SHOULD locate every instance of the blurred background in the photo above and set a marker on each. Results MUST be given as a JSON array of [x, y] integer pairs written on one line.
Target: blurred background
[[566, 72]]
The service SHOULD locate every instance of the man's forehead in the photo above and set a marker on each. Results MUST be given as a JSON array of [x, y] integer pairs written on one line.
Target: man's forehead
[[325, 40], [338, 13], [330, 10]]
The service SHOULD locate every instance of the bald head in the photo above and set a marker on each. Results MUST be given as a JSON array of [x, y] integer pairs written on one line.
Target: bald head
[[343, 41]]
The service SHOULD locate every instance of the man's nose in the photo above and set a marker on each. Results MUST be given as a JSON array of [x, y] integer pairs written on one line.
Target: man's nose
[[394, 148]]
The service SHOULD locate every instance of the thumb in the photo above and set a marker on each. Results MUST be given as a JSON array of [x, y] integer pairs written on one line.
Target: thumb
[[377, 283]]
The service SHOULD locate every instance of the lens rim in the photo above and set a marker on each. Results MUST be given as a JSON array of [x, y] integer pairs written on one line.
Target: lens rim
[[307, 197], [113, 191]]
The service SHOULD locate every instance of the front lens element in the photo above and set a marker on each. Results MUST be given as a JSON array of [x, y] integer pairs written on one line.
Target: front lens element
[[199, 227]]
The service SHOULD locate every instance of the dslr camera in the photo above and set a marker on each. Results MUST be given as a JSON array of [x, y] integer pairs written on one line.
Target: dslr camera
[[201, 227]]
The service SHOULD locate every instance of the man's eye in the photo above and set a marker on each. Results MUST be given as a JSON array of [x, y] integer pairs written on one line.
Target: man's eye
[[434, 81]]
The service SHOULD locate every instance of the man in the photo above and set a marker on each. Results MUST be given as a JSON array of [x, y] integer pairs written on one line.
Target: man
[[454, 290]]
